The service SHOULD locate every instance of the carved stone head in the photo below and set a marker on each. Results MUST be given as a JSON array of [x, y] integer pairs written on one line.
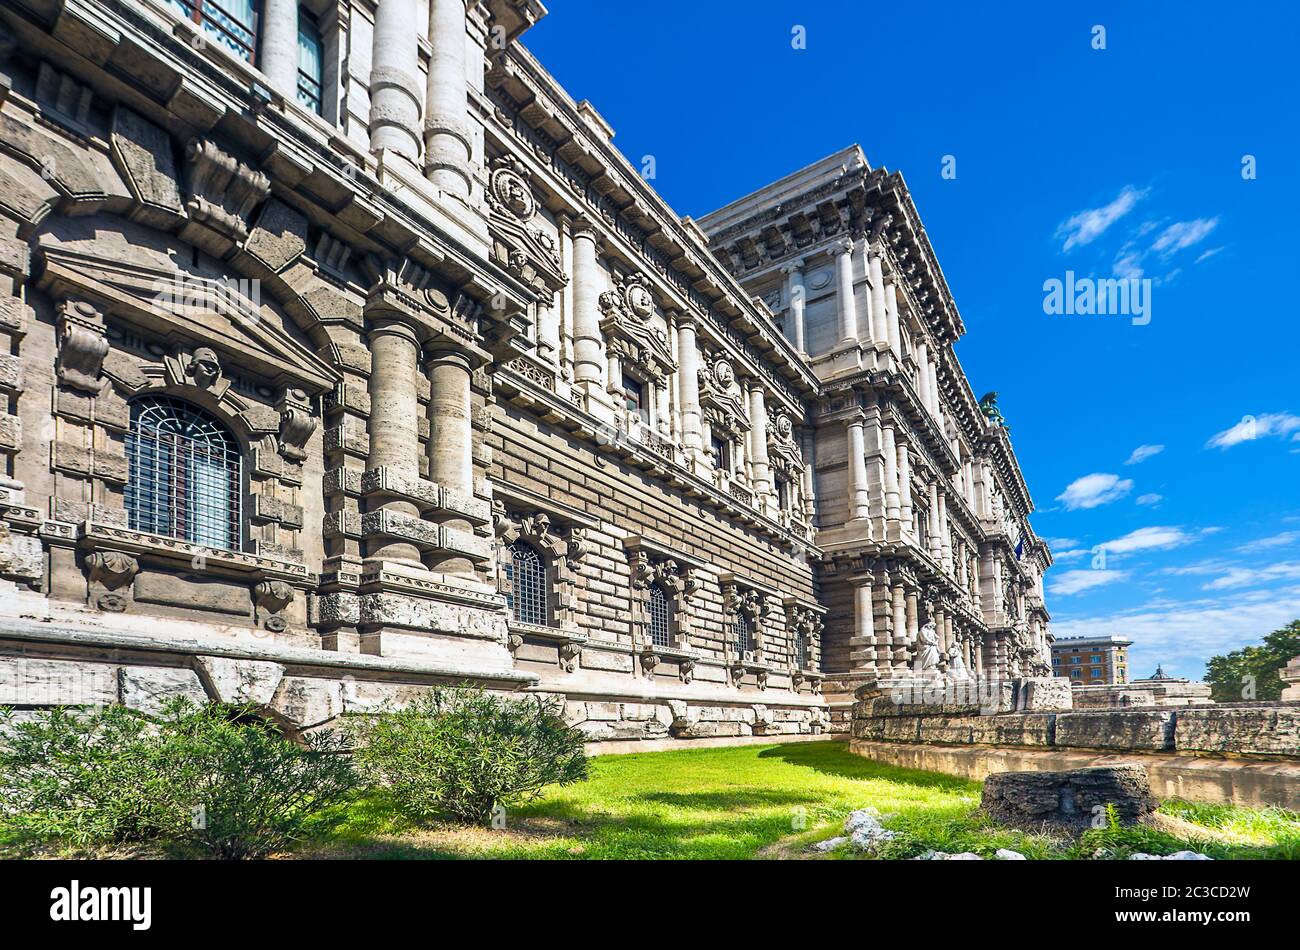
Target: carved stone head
[[205, 367], [724, 374]]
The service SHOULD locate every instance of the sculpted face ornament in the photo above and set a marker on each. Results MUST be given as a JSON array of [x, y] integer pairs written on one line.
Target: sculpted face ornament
[[724, 374], [513, 193], [640, 302], [205, 367], [784, 427]]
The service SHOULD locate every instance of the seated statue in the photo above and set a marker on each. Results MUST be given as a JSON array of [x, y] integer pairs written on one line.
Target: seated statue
[[927, 649]]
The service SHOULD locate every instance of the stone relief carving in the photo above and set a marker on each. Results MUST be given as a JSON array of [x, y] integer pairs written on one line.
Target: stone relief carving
[[721, 401], [525, 250], [296, 425], [82, 346], [632, 337], [223, 190], [564, 550], [110, 574], [270, 598]]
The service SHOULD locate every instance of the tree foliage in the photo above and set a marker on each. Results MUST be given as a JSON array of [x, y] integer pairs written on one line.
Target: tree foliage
[[1229, 674]]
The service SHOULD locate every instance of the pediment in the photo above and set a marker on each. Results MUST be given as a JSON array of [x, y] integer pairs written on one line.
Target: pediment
[[188, 310]]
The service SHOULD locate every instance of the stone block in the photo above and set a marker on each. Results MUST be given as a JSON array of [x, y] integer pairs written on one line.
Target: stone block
[[1044, 694], [1259, 730], [308, 702], [1128, 729], [1035, 729], [148, 688], [603, 712], [370, 698], [1069, 801], [606, 661], [33, 682], [240, 681]]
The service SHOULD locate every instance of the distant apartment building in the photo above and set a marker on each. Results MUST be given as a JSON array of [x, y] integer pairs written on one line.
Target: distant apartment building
[[1091, 661]]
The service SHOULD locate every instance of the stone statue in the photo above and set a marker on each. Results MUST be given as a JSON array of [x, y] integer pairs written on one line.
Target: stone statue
[[989, 406], [205, 367], [957, 663], [927, 649]]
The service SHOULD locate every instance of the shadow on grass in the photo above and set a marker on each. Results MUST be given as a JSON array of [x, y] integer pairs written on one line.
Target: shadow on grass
[[834, 758]]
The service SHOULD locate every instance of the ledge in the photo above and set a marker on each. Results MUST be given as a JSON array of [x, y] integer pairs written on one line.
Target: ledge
[[68, 635]]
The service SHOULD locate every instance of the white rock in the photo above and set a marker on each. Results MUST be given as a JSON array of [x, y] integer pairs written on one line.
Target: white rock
[[830, 844], [1006, 854], [964, 856], [869, 839], [1176, 856], [862, 818]]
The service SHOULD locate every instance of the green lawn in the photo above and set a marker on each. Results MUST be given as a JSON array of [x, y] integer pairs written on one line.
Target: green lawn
[[772, 801]]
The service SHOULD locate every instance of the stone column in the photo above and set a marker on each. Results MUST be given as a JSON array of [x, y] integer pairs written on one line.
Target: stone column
[[762, 471], [900, 638], [798, 297], [879, 316], [277, 53], [891, 310], [934, 543], [905, 486], [842, 251], [588, 343], [913, 616], [688, 385], [921, 357], [395, 93], [394, 437], [936, 404], [451, 440], [862, 646], [889, 450], [945, 536], [447, 147], [859, 492]]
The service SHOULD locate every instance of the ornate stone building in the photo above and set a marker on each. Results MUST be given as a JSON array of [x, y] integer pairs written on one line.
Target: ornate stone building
[[346, 355]]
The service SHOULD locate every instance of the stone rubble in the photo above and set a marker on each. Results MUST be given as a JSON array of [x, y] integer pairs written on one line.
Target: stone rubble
[[1176, 856]]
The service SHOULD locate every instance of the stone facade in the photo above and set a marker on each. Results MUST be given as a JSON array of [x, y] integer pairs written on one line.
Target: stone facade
[[320, 389]]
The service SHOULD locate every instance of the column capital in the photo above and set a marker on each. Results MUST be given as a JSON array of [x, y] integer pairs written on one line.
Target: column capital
[[796, 266], [841, 246], [582, 226]]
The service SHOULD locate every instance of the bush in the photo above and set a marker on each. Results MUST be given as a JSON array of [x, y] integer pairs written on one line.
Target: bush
[[212, 777], [460, 752]]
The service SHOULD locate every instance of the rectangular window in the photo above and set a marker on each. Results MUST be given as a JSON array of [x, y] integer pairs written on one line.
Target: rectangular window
[[634, 396], [232, 23], [310, 62], [721, 454]]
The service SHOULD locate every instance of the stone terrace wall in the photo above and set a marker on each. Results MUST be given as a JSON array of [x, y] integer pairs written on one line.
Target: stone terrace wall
[[1259, 729]]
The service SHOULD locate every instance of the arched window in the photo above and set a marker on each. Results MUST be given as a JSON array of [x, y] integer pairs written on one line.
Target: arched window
[[529, 590], [742, 630], [185, 476], [660, 617]]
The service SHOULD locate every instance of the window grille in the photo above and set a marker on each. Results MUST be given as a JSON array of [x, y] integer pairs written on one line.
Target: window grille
[[185, 474], [232, 23], [309, 62], [801, 650], [660, 614], [742, 630], [528, 587]]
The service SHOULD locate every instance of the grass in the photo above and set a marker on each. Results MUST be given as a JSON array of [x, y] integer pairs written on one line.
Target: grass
[[770, 802]]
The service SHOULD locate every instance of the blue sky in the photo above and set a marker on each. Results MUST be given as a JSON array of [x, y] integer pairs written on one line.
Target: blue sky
[[1125, 161]]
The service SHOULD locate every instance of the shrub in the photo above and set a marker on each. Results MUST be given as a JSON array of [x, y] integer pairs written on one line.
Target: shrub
[[460, 752], [213, 777]]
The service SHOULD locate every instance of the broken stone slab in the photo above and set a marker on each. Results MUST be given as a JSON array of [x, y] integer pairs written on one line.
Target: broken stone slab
[[240, 682], [1006, 854], [1070, 801], [830, 844], [862, 818], [149, 688], [869, 838], [933, 855]]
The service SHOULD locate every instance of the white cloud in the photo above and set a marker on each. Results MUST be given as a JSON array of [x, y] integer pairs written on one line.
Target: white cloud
[[1090, 491], [1073, 582], [1128, 264], [1184, 635], [1206, 255], [1069, 554], [1254, 577], [1148, 539], [1273, 541], [1086, 226], [1143, 452], [1251, 428], [1183, 234], [1151, 498]]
